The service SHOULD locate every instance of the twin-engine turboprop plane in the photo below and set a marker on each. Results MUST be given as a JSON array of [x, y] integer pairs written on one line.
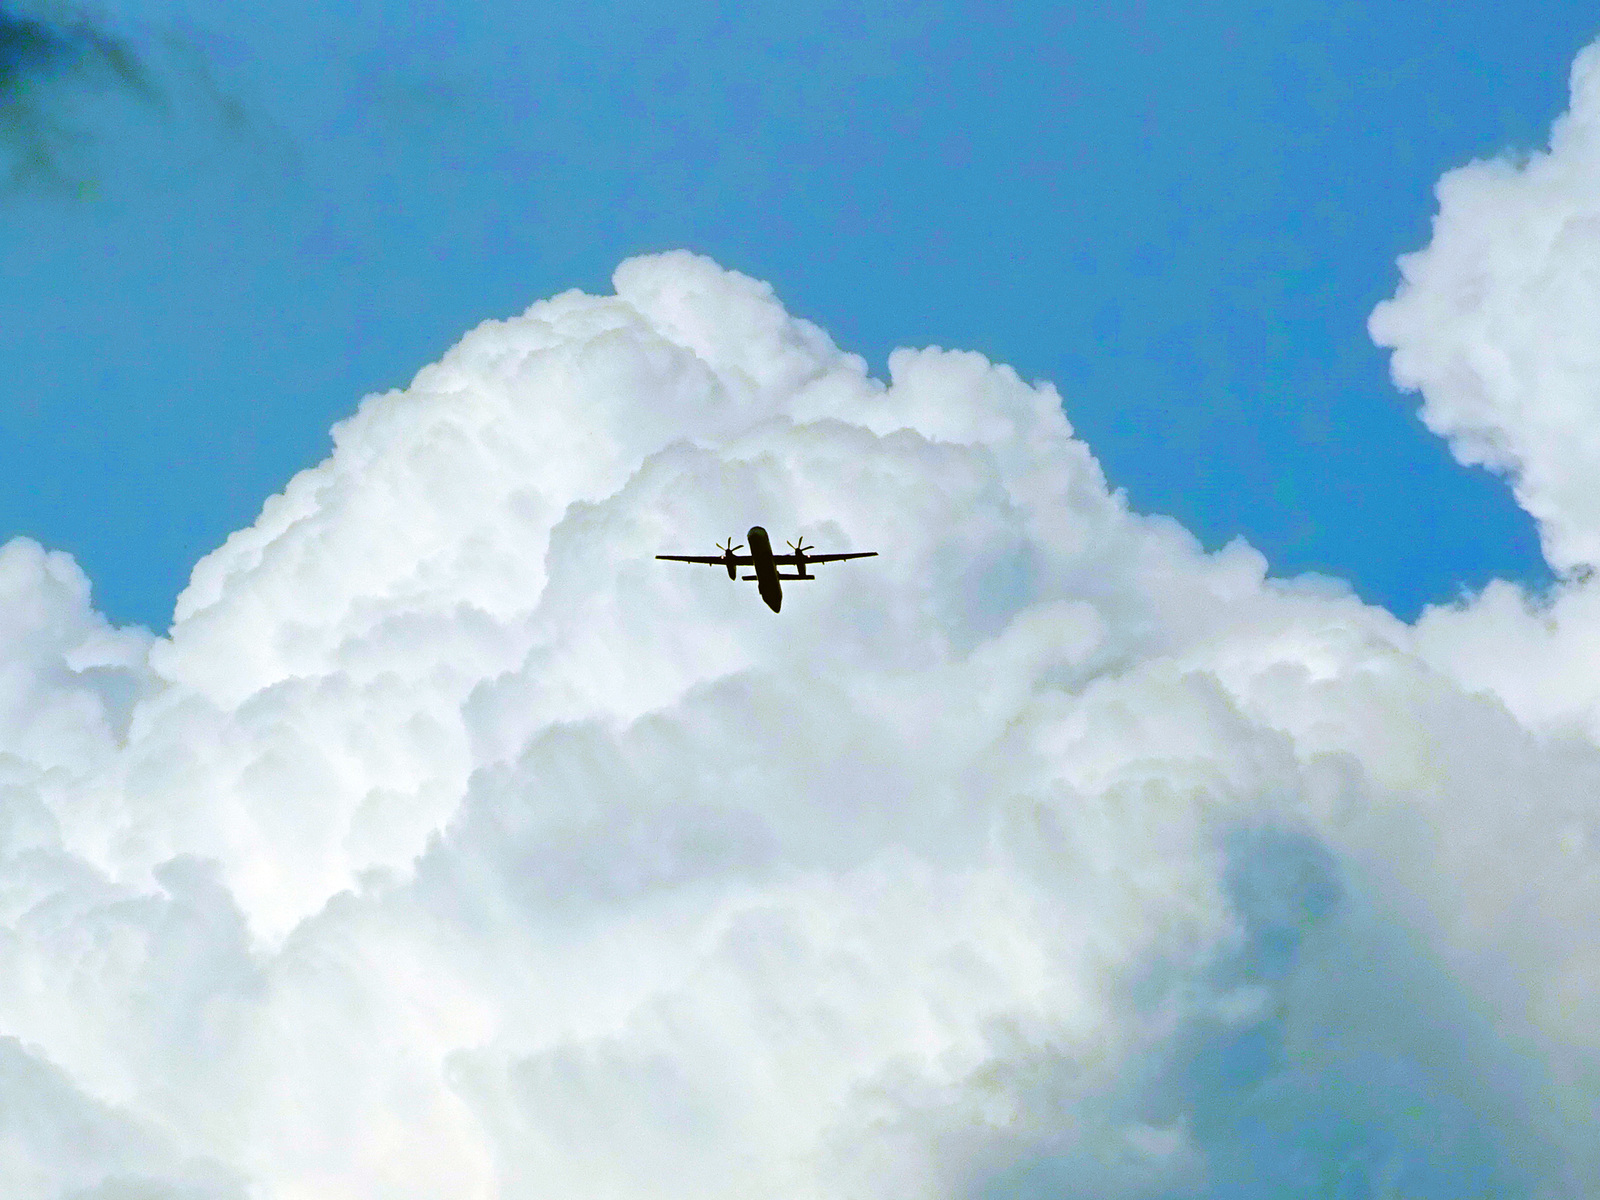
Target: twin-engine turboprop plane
[[766, 563]]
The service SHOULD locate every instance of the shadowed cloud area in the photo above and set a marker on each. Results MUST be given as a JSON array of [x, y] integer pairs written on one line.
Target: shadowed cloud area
[[451, 845]]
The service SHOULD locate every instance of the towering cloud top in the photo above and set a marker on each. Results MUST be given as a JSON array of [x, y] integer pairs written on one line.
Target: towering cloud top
[[451, 845], [1495, 323]]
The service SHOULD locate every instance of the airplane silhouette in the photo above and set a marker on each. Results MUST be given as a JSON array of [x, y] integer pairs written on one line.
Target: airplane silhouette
[[766, 562]]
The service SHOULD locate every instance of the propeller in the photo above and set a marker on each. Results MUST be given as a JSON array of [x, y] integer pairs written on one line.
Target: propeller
[[730, 547], [727, 553], [800, 547]]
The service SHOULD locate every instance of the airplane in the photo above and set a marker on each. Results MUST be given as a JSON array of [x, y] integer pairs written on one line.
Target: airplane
[[766, 562]]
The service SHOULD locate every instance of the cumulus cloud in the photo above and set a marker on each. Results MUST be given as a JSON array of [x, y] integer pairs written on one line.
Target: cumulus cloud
[[449, 844], [1494, 322], [1494, 325]]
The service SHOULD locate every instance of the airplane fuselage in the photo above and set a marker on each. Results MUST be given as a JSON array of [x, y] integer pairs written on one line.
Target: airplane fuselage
[[766, 570]]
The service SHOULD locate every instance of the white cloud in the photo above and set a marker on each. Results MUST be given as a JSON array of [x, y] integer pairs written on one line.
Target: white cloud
[[1495, 322], [452, 845]]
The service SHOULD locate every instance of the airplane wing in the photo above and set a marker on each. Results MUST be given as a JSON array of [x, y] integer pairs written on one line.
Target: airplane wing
[[739, 560], [790, 560]]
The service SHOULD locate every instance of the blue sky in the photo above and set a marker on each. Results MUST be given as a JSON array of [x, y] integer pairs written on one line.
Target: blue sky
[[1181, 218]]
